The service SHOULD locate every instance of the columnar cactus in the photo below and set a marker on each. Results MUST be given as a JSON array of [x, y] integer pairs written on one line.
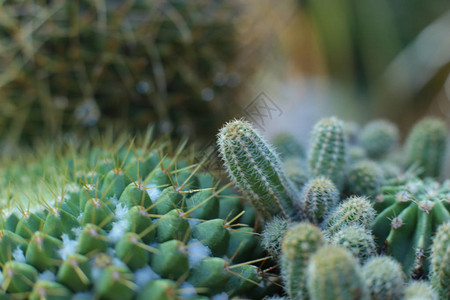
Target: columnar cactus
[[333, 273], [425, 146], [327, 152], [299, 243], [409, 213], [384, 278], [256, 169], [319, 197], [440, 261], [379, 138]]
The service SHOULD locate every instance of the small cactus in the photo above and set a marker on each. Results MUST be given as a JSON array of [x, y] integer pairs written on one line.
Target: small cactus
[[420, 290], [353, 211], [379, 138], [319, 197], [357, 239], [272, 236], [299, 243], [327, 152], [440, 261], [384, 278], [364, 179], [426, 144], [333, 273], [256, 169], [288, 146]]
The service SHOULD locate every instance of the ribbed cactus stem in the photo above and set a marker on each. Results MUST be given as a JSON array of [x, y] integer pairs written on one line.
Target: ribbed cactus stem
[[426, 146], [256, 169], [420, 290], [299, 243], [333, 273], [319, 196], [327, 153], [356, 238], [440, 261]]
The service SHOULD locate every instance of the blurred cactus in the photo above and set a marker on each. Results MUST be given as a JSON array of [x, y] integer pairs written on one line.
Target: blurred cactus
[[357, 239], [327, 156], [256, 169], [440, 261], [288, 146], [425, 146], [379, 138], [272, 236], [333, 273], [364, 179], [418, 290], [70, 65], [384, 278]]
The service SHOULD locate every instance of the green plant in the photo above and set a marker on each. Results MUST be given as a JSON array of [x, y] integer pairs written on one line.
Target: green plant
[[109, 234], [255, 168], [418, 290], [440, 261], [319, 197], [356, 238], [379, 138]]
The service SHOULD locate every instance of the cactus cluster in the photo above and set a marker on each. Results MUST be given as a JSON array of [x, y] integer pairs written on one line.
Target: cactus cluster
[[359, 215], [124, 220]]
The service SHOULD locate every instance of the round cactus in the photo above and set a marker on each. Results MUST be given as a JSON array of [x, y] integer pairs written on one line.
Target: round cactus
[[418, 290], [319, 197], [357, 239], [364, 179], [379, 137]]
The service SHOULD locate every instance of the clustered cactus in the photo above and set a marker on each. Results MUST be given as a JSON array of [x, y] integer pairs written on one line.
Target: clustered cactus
[[124, 220], [358, 217]]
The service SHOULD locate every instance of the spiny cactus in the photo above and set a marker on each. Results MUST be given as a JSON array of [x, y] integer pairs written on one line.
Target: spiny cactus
[[256, 169], [357, 239], [384, 278], [333, 273], [272, 235], [353, 211], [364, 179], [296, 170], [116, 237], [440, 261], [425, 146], [327, 152], [299, 243], [288, 146], [379, 138], [319, 197], [419, 290], [410, 211]]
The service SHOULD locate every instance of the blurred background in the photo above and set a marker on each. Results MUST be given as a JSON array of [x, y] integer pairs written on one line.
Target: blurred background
[[186, 67]]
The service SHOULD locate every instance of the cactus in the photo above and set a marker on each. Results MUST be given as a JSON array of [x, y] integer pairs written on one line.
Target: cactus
[[256, 169], [384, 278], [120, 235], [288, 146], [364, 179], [440, 261], [319, 197], [272, 236], [426, 144], [418, 290], [327, 155], [409, 212], [353, 211], [298, 245], [333, 273], [379, 138], [357, 239]]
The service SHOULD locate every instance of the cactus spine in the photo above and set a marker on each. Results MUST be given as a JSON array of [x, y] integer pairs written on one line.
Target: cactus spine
[[440, 261], [256, 169], [426, 144], [299, 243], [327, 152], [357, 239]]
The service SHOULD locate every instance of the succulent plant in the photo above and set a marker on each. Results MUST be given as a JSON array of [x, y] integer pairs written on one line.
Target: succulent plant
[[379, 138], [319, 197], [440, 261]]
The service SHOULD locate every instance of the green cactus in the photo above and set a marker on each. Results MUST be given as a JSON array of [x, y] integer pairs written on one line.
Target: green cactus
[[418, 290], [327, 155], [333, 273], [256, 169], [300, 242], [379, 138], [409, 212], [118, 236], [288, 146], [353, 211], [319, 197], [272, 236], [364, 179], [440, 261], [384, 278], [425, 146], [357, 239]]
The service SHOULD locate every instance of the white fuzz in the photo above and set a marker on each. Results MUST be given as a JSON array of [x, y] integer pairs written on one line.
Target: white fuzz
[[144, 275], [153, 192], [68, 247], [47, 276], [18, 255], [187, 290], [221, 296], [197, 251], [121, 225]]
